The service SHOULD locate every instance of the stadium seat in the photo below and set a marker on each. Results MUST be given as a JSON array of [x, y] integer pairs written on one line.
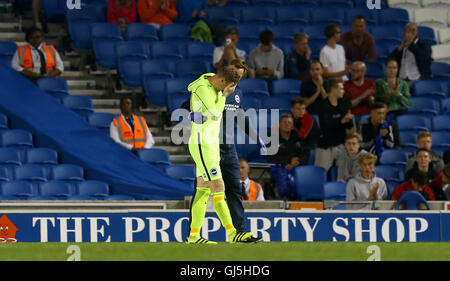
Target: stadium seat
[[3, 122], [91, 190], [155, 90], [292, 15], [422, 105], [101, 120], [42, 156], [105, 30], [286, 86], [238, 3], [440, 53], [281, 103], [440, 4], [394, 157], [141, 32], [129, 56], [175, 32], [413, 122], [408, 139], [178, 85], [445, 106], [326, 16], [251, 102], [441, 139], [22, 190], [346, 4], [155, 156], [384, 49], [68, 172], [258, 15], [393, 16], [444, 35], [228, 15], [302, 3], [82, 105], [334, 191], [182, 172], [374, 70], [200, 50], [404, 4], [80, 33], [309, 182], [7, 50], [370, 16], [256, 87], [163, 49], [56, 87], [158, 68], [54, 10], [105, 52], [389, 173], [388, 33], [363, 4], [429, 88], [52, 190], [9, 157], [441, 122], [440, 70], [427, 34], [190, 68], [16, 138], [435, 18], [284, 32], [315, 32], [270, 3], [30, 172], [119, 197], [175, 100], [390, 186], [249, 30], [410, 200]]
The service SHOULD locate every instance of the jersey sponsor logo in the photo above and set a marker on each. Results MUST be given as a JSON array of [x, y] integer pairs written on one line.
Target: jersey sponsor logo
[[7, 230], [214, 171]]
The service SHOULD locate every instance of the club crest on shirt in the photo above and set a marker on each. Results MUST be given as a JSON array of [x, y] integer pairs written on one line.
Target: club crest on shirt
[[214, 171], [237, 98]]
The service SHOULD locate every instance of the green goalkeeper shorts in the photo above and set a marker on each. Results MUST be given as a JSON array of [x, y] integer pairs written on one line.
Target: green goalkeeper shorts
[[207, 160]]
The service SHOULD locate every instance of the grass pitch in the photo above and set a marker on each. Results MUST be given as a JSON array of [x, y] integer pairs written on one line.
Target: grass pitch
[[272, 251]]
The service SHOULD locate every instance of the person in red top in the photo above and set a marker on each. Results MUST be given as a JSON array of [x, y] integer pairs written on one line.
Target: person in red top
[[122, 12], [304, 124], [418, 183], [441, 183], [362, 91], [157, 12]]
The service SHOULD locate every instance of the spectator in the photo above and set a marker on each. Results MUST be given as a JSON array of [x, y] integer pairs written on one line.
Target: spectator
[[38, 15], [447, 156], [36, 60], [361, 90], [425, 140], [304, 124], [394, 89], [267, 60], [440, 185], [366, 185], [122, 12], [298, 62], [130, 130], [334, 118], [157, 12], [378, 133], [359, 44], [413, 56], [332, 55], [251, 190], [314, 88], [423, 163], [418, 182], [347, 160]]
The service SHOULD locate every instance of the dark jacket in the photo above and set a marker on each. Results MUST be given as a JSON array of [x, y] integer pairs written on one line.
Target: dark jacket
[[422, 53], [294, 146]]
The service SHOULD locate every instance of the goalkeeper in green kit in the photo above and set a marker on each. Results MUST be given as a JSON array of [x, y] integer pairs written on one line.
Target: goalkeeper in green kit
[[207, 103]]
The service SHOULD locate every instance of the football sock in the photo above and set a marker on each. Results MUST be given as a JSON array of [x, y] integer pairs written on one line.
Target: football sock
[[222, 211], [198, 210]]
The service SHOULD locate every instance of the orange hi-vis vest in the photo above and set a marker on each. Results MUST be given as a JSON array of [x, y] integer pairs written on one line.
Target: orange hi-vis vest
[[255, 188], [26, 60], [138, 138]]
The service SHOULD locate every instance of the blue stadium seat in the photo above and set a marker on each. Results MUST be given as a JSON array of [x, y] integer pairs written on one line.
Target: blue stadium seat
[[292, 14], [80, 33], [388, 33], [175, 100], [119, 197], [334, 191], [3, 122], [302, 3], [429, 88], [5, 174], [393, 16], [56, 87], [390, 186], [284, 32], [175, 32], [286, 86], [408, 139], [440, 70], [54, 10], [182, 172], [238, 3], [413, 122], [427, 34], [384, 49], [375, 70], [345, 4], [251, 102], [315, 31], [254, 86], [68, 172], [21, 190], [31, 173], [422, 105], [200, 50], [155, 156], [130, 55], [326, 16], [105, 51], [282, 103], [441, 139], [101, 120], [258, 15], [155, 90], [228, 15], [158, 68], [87, 13], [178, 85], [441, 122], [141, 32], [9, 157], [445, 106], [309, 182], [249, 30], [370, 16], [162, 49], [82, 105], [410, 200], [55, 190], [394, 157], [389, 173], [42, 156], [16, 138], [91, 190], [316, 46], [270, 3], [190, 68], [7, 50], [105, 30]]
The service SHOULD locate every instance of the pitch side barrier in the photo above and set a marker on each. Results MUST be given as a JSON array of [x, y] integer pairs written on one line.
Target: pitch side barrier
[[146, 222]]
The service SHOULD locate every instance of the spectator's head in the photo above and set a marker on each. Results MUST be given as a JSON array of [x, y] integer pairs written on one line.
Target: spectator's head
[[333, 31], [126, 106], [244, 168], [383, 100], [240, 66], [424, 140], [286, 123], [411, 30], [352, 143], [358, 25], [232, 33], [377, 113], [367, 164], [301, 42], [315, 69], [266, 39], [419, 180], [358, 71], [335, 87], [446, 174], [298, 107], [423, 159], [391, 68], [33, 36]]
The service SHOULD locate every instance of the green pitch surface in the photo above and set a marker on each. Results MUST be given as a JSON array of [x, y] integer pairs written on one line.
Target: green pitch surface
[[273, 251]]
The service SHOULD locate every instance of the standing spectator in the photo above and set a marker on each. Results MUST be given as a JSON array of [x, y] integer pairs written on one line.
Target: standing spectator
[[377, 133], [394, 89], [298, 62], [347, 160], [130, 130], [332, 55], [418, 182], [441, 184], [361, 90], [122, 12], [313, 89], [267, 60], [359, 44], [425, 140], [190, 11], [251, 190], [157, 12], [424, 164], [366, 185], [304, 124], [413, 56], [334, 118], [36, 60]]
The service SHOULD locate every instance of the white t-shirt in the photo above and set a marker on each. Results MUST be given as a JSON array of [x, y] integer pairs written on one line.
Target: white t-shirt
[[333, 59]]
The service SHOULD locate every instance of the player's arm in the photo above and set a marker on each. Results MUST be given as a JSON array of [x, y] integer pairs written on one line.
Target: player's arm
[[203, 99]]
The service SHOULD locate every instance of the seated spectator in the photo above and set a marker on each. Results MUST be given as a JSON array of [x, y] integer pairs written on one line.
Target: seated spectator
[[334, 118], [425, 140], [304, 124], [418, 182], [378, 133], [359, 44], [122, 12], [251, 190], [129, 130], [447, 156], [190, 11], [297, 62], [366, 185], [347, 160], [36, 60], [332, 55], [413, 56], [267, 60], [394, 89], [361, 90], [424, 164], [314, 88], [441, 184], [157, 12]]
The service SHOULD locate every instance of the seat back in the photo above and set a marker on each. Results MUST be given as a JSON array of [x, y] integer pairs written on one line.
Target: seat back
[[334, 191], [309, 182], [412, 200]]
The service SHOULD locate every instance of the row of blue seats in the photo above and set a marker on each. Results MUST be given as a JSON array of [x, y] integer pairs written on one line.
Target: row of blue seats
[[306, 3]]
